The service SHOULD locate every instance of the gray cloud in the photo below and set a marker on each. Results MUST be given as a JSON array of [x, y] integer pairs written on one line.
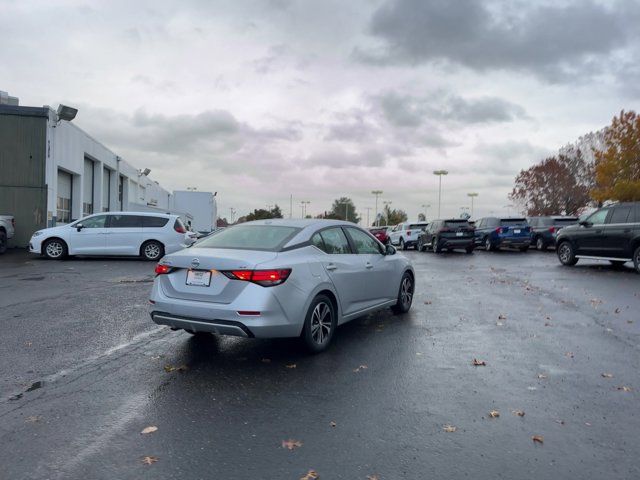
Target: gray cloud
[[553, 41], [338, 158]]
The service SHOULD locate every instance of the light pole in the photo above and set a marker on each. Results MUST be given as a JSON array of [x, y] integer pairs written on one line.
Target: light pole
[[425, 209], [377, 193], [304, 204], [440, 173], [232, 212], [368, 209], [346, 211], [472, 195]]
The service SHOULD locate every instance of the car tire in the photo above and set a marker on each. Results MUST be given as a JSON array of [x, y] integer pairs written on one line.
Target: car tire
[[435, 245], [3, 241], [566, 254], [420, 246], [55, 249], [405, 294], [402, 245], [469, 250], [152, 250], [488, 246], [540, 245], [317, 332], [636, 259]]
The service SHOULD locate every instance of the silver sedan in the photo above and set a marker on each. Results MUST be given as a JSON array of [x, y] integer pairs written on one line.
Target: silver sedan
[[280, 278]]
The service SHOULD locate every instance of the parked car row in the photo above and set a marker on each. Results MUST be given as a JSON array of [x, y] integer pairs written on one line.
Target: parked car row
[[7, 229]]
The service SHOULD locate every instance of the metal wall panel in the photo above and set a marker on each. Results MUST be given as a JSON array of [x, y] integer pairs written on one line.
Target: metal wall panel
[[23, 192]]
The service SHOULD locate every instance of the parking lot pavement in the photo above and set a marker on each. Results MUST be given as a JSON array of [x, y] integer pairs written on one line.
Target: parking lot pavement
[[84, 371]]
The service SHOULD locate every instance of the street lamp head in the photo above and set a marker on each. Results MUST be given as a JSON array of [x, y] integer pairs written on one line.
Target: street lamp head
[[376, 192], [440, 172], [472, 194], [67, 113]]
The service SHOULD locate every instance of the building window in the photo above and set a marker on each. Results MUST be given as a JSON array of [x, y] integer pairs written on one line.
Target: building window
[[63, 213]]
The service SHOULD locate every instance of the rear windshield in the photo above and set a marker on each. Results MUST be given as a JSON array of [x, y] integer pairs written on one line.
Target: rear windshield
[[565, 221], [456, 223], [417, 226], [507, 222], [268, 238], [378, 230]]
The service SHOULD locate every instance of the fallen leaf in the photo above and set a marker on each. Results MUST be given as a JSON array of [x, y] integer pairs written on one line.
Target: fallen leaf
[[519, 413], [428, 302], [569, 354], [479, 363], [266, 360], [587, 424], [541, 376], [538, 439], [548, 324], [617, 310], [27, 344], [373, 477], [561, 422], [607, 375], [418, 354], [149, 429], [33, 419], [333, 424], [148, 460], [291, 365], [595, 302], [624, 388], [361, 367], [494, 413], [291, 444], [171, 368], [629, 321], [502, 317], [310, 475], [449, 428]]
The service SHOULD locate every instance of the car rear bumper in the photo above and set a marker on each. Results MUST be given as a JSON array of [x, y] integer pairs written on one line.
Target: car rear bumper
[[514, 242], [457, 242], [267, 318]]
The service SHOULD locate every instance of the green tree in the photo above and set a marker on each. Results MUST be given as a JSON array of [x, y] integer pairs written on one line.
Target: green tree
[[618, 167], [343, 208], [392, 216], [263, 214]]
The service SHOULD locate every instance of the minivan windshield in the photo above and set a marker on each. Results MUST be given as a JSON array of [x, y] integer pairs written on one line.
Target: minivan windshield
[[268, 238]]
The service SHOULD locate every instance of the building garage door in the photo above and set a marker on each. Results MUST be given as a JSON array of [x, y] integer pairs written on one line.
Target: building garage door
[[63, 213], [106, 189], [87, 188]]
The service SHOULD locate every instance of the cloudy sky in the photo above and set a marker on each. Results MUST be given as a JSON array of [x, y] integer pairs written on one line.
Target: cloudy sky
[[260, 100]]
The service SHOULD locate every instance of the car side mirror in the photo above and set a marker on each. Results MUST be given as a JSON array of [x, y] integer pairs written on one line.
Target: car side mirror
[[79, 226], [390, 250], [585, 223]]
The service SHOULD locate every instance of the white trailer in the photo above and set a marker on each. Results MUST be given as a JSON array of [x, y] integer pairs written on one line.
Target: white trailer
[[201, 206]]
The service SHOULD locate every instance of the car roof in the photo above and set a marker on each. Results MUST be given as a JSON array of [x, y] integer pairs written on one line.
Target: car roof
[[142, 214]]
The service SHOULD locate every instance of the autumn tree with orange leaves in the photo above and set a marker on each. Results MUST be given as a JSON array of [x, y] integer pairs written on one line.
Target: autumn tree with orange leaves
[[617, 168]]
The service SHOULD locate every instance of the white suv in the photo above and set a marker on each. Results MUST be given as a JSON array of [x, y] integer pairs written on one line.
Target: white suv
[[406, 235], [150, 235]]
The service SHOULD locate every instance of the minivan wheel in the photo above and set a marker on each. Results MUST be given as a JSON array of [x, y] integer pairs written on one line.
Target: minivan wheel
[[402, 245], [566, 255], [3, 241], [435, 245], [540, 244], [405, 295], [55, 249], [152, 250], [636, 259], [319, 325], [420, 246]]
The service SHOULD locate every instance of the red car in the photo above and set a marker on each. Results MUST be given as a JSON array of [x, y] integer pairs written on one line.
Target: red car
[[380, 233]]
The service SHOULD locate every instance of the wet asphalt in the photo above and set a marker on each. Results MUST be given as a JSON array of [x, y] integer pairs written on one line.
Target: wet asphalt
[[83, 371]]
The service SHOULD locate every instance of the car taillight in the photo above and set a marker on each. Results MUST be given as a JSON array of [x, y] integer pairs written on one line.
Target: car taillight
[[408, 233], [265, 278], [499, 230], [179, 229], [162, 269], [552, 229]]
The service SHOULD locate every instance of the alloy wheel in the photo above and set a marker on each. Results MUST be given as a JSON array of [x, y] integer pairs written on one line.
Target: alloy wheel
[[152, 251], [406, 293], [54, 249], [564, 253], [321, 320], [540, 244], [487, 245]]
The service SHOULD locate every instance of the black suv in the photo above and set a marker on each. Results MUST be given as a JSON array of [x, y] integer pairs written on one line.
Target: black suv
[[611, 233], [447, 234], [544, 230]]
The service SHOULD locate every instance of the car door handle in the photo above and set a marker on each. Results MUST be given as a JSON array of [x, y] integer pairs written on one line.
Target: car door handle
[[331, 267], [368, 265]]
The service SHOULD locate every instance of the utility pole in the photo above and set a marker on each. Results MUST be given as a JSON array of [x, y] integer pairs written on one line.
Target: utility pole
[[472, 195], [368, 209], [425, 207], [304, 204], [377, 193], [290, 205], [232, 212], [440, 173]]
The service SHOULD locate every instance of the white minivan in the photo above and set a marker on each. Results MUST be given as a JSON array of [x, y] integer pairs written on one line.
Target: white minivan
[[149, 235]]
